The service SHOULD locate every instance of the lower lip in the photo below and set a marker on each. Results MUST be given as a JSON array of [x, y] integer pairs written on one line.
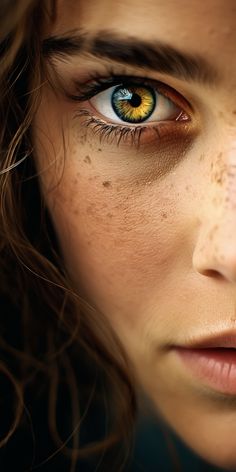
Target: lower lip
[[214, 367]]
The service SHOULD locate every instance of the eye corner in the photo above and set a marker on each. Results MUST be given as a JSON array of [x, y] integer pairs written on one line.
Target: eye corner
[[183, 117]]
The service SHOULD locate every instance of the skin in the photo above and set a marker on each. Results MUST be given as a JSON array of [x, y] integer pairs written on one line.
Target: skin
[[148, 234]]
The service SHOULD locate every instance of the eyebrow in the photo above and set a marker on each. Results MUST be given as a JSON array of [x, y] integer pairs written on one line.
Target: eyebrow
[[151, 55]]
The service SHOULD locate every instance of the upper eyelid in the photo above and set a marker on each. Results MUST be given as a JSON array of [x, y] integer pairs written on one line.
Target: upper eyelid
[[103, 83], [85, 91]]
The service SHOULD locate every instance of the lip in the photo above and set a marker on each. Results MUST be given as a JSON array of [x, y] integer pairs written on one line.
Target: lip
[[226, 339], [212, 361]]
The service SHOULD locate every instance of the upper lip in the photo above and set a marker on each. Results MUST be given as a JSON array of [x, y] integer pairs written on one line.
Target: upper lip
[[223, 339]]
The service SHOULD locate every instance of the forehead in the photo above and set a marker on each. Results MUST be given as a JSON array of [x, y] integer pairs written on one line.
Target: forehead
[[189, 19]]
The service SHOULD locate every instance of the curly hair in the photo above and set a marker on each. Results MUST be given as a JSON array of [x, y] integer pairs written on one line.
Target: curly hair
[[52, 341]]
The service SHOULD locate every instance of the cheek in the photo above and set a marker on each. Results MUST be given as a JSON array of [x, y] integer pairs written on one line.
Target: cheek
[[118, 237], [120, 223]]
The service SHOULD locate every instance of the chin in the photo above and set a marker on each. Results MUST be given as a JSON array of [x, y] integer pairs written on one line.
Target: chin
[[219, 457]]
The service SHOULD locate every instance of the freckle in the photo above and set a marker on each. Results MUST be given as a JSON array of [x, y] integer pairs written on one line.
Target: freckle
[[109, 215], [234, 112], [99, 150], [89, 243], [163, 215], [219, 180], [75, 181], [106, 184], [78, 174], [187, 188], [87, 160], [76, 212]]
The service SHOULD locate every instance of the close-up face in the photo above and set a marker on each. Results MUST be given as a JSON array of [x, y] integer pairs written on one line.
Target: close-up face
[[135, 143]]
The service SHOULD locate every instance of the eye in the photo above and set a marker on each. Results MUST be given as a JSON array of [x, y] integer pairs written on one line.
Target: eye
[[134, 104]]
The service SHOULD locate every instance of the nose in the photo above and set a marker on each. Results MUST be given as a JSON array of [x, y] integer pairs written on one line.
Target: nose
[[215, 250]]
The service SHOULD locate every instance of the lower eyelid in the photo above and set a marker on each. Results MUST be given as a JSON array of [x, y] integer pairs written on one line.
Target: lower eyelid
[[142, 135], [158, 151]]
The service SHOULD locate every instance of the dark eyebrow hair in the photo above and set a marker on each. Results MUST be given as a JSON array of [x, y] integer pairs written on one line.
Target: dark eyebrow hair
[[154, 56]]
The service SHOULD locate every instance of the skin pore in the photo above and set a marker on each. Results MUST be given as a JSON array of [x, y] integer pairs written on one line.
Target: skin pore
[[147, 222]]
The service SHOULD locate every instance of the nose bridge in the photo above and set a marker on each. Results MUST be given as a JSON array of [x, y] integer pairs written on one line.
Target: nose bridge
[[215, 251]]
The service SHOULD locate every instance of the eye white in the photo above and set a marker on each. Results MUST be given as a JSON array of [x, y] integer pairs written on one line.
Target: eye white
[[165, 109]]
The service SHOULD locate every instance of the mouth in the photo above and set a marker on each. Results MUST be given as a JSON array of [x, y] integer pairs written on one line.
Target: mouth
[[212, 361]]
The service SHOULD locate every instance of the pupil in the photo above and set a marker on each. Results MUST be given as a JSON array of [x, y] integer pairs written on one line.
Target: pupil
[[135, 101]]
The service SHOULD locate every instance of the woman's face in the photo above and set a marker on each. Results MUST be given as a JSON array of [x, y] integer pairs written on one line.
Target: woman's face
[[136, 145]]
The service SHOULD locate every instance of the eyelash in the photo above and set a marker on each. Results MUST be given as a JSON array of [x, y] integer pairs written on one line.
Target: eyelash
[[122, 133]]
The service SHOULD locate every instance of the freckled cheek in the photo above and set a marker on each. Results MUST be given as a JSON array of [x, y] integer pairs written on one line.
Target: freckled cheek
[[116, 245]]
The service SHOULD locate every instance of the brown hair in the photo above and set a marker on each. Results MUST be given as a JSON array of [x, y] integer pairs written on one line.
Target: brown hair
[[47, 329]]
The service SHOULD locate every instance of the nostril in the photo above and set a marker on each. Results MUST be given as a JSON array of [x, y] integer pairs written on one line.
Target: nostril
[[212, 273]]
